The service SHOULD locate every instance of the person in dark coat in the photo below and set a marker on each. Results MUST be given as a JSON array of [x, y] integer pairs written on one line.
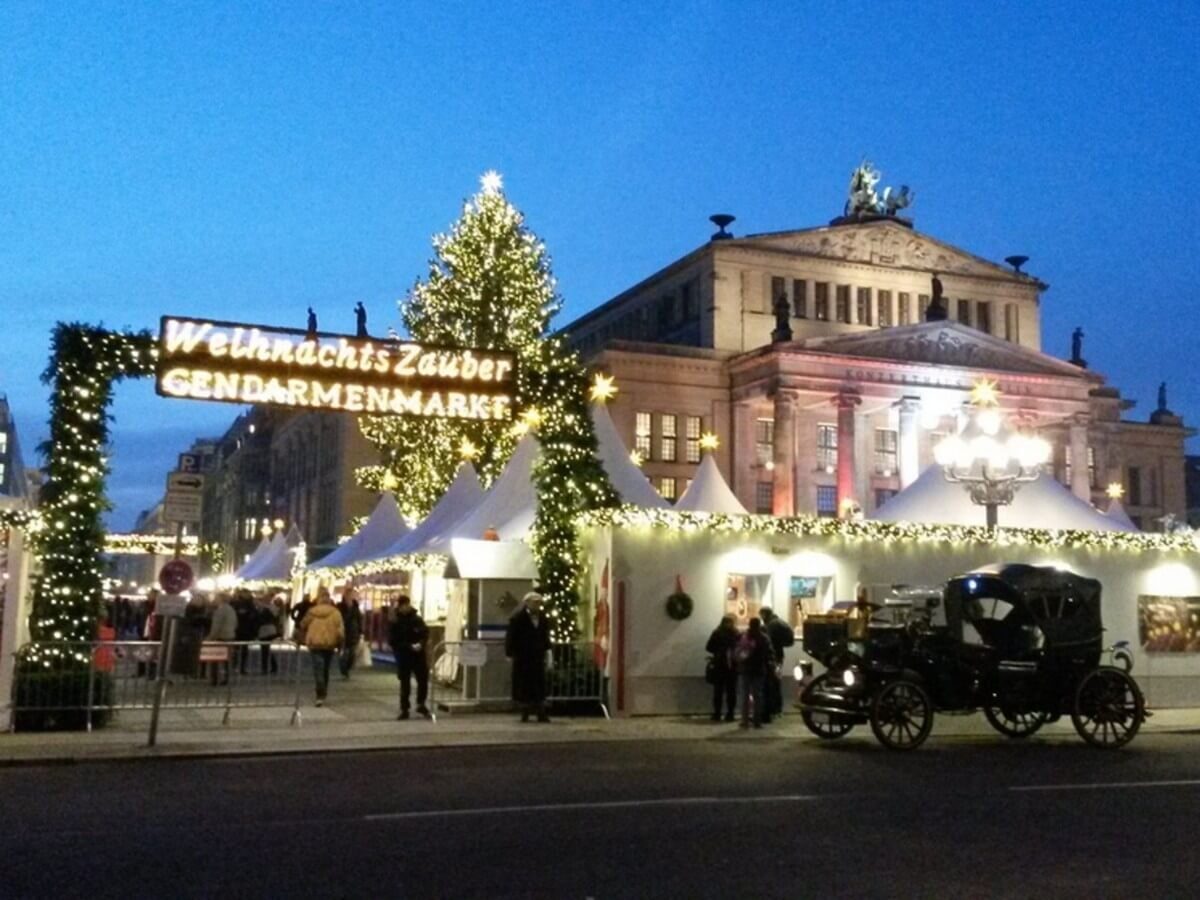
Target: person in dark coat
[[781, 636], [353, 620], [721, 644], [247, 626], [527, 644], [409, 637], [754, 659]]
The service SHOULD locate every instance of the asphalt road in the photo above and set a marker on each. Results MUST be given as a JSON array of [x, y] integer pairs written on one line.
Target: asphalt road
[[728, 817]]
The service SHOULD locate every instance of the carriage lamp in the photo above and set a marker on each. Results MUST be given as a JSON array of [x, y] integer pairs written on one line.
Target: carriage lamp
[[988, 457]]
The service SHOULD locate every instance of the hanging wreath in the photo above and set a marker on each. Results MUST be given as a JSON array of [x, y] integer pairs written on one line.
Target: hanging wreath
[[679, 604]]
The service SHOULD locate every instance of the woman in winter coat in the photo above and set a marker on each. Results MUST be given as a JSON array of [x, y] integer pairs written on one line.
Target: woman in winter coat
[[323, 633], [754, 658], [721, 644], [527, 644]]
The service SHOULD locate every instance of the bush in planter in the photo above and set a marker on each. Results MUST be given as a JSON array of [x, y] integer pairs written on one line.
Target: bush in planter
[[57, 699]]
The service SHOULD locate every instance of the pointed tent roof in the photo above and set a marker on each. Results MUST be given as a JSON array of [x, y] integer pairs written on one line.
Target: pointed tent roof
[[1116, 512], [384, 527], [709, 492], [275, 560], [294, 539], [1042, 503], [509, 506], [627, 479], [463, 495], [255, 557]]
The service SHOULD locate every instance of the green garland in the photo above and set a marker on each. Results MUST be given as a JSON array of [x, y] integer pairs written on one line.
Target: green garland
[[891, 532], [85, 363]]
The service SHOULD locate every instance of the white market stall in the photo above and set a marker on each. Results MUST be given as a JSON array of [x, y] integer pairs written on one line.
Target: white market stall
[[383, 528], [709, 492]]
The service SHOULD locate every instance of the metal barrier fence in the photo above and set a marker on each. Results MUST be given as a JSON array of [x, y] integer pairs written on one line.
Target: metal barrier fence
[[105, 677], [473, 674]]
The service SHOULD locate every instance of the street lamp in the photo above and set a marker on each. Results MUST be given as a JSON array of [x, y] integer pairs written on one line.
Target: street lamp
[[989, 458]]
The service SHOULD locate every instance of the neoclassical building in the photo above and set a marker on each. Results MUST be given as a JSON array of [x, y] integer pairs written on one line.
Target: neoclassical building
[[813, 356]]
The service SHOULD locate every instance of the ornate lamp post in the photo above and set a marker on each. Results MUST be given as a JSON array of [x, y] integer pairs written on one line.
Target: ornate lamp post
[[989, 458]]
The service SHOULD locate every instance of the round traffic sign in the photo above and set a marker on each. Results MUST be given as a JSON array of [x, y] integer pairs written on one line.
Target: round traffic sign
[[176, 577]]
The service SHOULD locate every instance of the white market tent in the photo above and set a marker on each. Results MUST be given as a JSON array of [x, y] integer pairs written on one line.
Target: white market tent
[[255, 558], [1116, 512], [709, 492], [463, 496], [383, 528], [627, 479], [274, 565], [1041, 503], [509, 507]]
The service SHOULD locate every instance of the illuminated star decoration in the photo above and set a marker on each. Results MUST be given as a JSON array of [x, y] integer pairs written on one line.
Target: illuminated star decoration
[[1115, 490], [603, 388], [985, 392], [532, 417], [636, 458], [709, 441], [491, 182], [467, 449], [390, 481]]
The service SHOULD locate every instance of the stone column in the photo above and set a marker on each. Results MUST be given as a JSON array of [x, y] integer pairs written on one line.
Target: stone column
[[845, 403], [908, 408], [783, 501], [742, 442], [1078, 436]]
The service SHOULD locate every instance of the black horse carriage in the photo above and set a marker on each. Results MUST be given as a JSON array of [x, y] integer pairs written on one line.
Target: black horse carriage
[[1023, 644]]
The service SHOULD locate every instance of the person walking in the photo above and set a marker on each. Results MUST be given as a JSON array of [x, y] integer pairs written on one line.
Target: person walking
[[222, 628], [353, 620], [527, 644], [322, 632], [266, 617], [409, 636], [723, 668], [753, 656], [247, 627], [781, 636]]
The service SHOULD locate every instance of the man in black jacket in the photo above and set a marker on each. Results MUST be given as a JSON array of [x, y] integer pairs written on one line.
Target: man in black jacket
[[723, 674], [527, 644], [781, 637], [408, 634]]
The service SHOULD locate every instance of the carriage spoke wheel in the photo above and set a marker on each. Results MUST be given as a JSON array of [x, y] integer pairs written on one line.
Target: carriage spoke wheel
[[1012, 723], [1109, 708], [826, 726], [902, 715]]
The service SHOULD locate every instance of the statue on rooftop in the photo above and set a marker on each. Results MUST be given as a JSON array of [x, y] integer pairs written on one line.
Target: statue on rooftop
[[1077, 348], [1162, 397], [937, 310], [863, 199], [783, 320], [312, 322], [360, 319]]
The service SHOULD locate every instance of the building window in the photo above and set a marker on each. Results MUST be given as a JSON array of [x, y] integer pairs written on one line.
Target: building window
[[3, 441], [778, 289], [764, 496], [983, 316], [694, 425], [1133, 485], [1067, 465], [764, 441], [843, 303], [885, 309], [885, 451], [883, 495], [827, 447], [799, 298], [1092, 466], [641, 436], [922, 307], [905, 308], [863, 306], [666, 487], [1153, 473], [669, 436], [1011, 323], [821, 300], [964, 312], [826, 500]]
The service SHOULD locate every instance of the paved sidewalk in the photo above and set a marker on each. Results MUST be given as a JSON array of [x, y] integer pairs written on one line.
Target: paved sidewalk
[[361, 715]]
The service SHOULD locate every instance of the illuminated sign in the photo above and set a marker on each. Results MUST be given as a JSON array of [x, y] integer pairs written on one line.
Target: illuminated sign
[[200, 359]]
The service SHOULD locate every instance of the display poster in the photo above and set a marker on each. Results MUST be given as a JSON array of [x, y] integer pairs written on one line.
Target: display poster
[[802, 598], [1169, 624]]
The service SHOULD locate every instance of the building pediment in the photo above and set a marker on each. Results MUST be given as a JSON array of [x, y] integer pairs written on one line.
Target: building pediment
[[946, 344], [884, 244]]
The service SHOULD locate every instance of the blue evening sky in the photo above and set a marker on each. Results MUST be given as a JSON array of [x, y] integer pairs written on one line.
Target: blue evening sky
[[246, 160]]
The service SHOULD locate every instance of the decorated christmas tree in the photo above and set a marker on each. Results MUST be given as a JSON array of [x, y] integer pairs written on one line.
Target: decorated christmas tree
[[490, 286]]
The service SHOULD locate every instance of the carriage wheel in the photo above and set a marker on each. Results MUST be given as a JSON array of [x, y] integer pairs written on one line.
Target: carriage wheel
[[1109, 708], [826, 726], [1014, 724], [902, 715]]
